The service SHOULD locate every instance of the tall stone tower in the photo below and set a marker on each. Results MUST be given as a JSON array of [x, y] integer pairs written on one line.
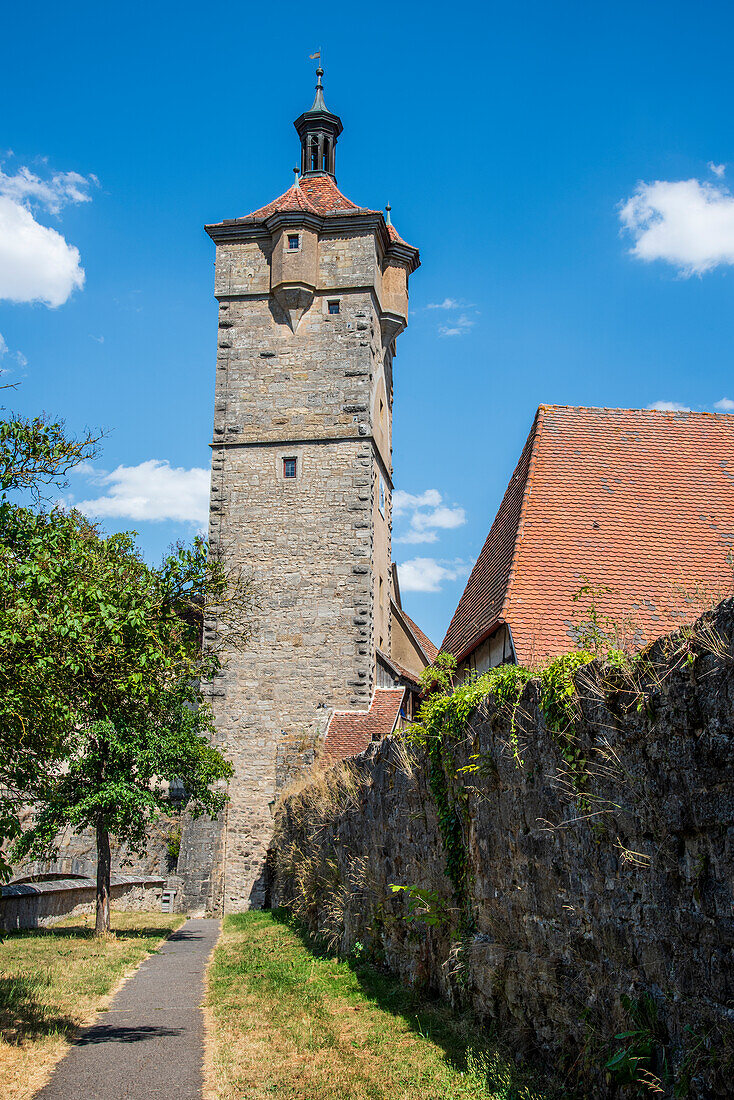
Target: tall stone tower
[[312, 292]]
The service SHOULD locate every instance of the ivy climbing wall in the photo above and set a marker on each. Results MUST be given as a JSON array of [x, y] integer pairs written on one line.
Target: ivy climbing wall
[[555, 853]]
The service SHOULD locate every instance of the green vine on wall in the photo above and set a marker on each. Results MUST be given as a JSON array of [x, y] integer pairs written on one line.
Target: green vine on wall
[[443, 720]]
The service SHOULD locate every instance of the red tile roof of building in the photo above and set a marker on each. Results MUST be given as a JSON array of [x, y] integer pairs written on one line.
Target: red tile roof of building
[[637, 502], [350, 731], [395, 236], [317, 194], [314, 195], [423, 640]]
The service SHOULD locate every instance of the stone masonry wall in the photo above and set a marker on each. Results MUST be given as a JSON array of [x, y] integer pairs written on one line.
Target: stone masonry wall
[[294, 380], [308, 542], [582, 921]]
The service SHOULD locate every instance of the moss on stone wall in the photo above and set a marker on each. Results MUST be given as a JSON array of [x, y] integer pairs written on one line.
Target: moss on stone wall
[[571, 834]]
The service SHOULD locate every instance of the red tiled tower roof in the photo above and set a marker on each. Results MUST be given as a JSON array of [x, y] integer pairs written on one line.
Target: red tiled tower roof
[[637, 502], [317, 195], [350, 731]]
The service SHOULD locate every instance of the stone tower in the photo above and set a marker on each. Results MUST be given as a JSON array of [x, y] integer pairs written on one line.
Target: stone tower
[[312, 292]]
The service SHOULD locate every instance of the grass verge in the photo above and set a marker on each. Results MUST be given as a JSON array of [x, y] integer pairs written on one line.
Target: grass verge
[[53, 980], [288, 1022]]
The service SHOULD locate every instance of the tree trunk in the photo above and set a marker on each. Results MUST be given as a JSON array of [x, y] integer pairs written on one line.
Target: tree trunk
[[103, 882]]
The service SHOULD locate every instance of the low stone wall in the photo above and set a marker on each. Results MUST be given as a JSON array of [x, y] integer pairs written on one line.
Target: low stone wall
[[598, 882], [39, 904]]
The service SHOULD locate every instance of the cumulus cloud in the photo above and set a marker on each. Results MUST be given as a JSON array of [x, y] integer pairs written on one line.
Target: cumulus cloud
[[36, 263], [687, 223], [717, 169], [726, 405], [669, 407], [426, 514], [429, 574], [27, 189], [152, 490]]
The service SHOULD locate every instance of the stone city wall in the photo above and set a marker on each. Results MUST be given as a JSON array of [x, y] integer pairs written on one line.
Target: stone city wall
[[592, 879], [40, 904]]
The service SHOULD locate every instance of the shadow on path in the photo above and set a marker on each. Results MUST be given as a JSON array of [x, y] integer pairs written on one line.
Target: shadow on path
[[118, 1034]]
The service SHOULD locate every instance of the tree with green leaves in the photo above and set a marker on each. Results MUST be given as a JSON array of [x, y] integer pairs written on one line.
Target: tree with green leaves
[[125, 641], [36, 453], [101, 661]]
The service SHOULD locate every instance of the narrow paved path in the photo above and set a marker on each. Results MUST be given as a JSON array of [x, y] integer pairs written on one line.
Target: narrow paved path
[[150, 1044]]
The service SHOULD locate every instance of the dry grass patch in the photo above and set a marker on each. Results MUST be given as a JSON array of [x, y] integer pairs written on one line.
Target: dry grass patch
[[289, 1023], [53, 980]]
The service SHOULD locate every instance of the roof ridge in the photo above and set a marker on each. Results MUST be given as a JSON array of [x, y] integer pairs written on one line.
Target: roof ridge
[[354, 710], [535, 435], [419, 635], [627, 409]]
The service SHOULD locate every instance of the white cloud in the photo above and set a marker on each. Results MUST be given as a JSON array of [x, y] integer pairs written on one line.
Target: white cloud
[[726, 405], [36, 263], [25, 188], [447, 303], [153, 490], [460, 327], [97, 339], [429, 574], [457, 327], [403, 502], [427, 513], [669, 407], [18, 356], [687, 223], [717, 169]]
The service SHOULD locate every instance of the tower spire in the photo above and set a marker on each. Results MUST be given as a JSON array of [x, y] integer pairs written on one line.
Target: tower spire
[[318, 103], [318, 130]]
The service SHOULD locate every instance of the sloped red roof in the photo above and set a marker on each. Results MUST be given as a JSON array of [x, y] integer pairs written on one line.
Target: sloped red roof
[[318, 194], [395, 236], [350, 731], [423, 640], [315, 195], [638, 503]]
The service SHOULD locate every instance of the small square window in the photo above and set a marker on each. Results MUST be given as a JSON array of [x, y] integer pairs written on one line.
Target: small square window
[[289, 467], [293, 242], [334, 307]]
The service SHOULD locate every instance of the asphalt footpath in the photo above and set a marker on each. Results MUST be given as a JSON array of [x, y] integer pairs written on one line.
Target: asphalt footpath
[[149, 1045]]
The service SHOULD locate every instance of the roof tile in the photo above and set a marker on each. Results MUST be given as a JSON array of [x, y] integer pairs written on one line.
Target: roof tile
[[637, 502], [350, 731], [315, 195]]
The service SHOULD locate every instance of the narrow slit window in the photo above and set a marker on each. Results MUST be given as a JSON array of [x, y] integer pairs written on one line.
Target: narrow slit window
[[290, 466], [333, 308], [294, 242]]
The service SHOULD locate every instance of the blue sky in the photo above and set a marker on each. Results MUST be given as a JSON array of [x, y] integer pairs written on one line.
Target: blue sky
[[563, 168]]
